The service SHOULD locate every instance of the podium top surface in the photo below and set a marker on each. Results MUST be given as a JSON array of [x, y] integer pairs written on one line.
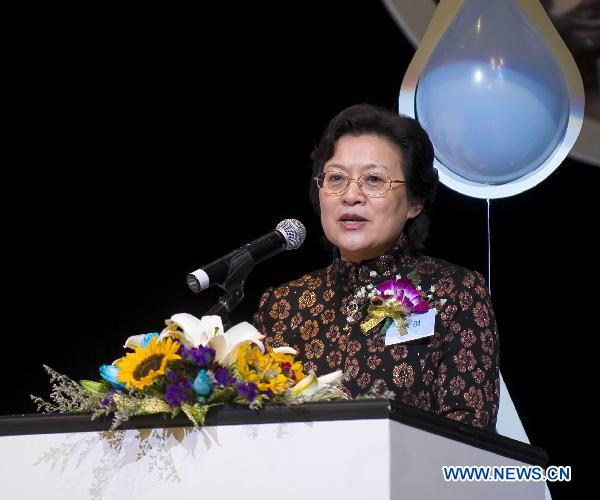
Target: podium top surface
[[366, 409]]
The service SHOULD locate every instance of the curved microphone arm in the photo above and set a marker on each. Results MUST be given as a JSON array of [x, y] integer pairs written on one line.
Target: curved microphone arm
[[240, 267]]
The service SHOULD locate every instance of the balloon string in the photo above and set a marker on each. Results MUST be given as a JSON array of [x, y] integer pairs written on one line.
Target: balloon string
[[489, 238]]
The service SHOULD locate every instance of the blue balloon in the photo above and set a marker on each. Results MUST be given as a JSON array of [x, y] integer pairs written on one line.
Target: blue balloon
[[492, 96]]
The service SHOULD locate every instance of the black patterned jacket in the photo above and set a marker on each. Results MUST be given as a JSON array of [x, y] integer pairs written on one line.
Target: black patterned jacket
[[453, 373]]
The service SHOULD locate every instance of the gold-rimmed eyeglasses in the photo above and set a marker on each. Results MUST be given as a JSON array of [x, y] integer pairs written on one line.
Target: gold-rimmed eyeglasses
[[371, 184]]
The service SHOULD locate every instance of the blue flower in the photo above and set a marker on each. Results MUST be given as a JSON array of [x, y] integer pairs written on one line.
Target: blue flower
[[147, 338], [110, 373], [202, 383]]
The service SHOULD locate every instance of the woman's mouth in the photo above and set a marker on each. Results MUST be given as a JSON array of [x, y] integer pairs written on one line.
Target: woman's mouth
[[353, 224], [352, 221]]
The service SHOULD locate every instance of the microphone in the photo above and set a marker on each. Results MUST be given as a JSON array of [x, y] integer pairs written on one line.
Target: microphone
[[288, 235]]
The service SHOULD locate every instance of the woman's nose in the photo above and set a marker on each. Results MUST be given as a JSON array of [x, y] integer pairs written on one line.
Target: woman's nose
[[353, 193]]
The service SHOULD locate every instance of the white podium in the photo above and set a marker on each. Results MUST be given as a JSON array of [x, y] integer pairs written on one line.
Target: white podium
[[337, 450]]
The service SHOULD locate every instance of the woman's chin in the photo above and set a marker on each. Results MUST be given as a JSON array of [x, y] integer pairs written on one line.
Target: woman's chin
[[352, 246]]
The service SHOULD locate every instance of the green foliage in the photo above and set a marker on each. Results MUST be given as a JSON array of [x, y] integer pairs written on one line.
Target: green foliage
[[197, 412], [95, 387], [222, 395]]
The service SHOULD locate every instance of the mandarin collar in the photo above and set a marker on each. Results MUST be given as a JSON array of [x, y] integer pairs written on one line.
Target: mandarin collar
[[376, 269]]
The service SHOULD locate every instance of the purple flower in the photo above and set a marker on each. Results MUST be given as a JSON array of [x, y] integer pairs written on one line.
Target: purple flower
[[201, 356], [404, 291], [107, 401], [179, 390], [223, 377], [247, 390]]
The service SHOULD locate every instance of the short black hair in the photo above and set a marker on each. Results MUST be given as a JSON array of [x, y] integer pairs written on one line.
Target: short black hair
[[413, 144]]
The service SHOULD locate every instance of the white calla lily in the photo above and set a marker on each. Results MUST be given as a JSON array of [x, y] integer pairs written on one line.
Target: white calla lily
[[134, 341], [226, 346], [285, 350], [307, 386], [196, 332], [332, 378], [311, 384], [140, 340]]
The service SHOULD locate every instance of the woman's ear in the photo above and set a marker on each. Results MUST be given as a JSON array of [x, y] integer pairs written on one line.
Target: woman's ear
[[414, 209]]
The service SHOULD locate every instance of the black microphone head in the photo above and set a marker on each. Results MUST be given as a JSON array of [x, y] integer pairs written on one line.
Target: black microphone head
[[293, 232]]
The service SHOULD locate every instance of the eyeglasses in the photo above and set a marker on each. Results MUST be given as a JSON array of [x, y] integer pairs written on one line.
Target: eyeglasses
[[371, 184]]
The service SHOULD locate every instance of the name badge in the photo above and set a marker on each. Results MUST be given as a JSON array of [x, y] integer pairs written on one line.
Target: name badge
[[419, 326]]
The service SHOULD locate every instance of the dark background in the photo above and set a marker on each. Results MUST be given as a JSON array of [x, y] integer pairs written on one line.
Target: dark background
[[146, 143]]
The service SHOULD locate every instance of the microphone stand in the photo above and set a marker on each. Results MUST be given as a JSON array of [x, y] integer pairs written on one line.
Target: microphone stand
[[240, 267]]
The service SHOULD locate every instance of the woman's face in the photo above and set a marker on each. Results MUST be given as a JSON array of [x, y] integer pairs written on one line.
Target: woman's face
[[364, 227]]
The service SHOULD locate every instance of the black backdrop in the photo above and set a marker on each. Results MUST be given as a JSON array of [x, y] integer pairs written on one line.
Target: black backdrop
[[148, 142]]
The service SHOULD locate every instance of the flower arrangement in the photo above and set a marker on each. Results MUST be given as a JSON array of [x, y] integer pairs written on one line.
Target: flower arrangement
[[392, 301], [191, 366]]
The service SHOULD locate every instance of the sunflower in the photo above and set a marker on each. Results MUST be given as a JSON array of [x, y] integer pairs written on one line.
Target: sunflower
[[286, 361], [139, 368], [261, 368]]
